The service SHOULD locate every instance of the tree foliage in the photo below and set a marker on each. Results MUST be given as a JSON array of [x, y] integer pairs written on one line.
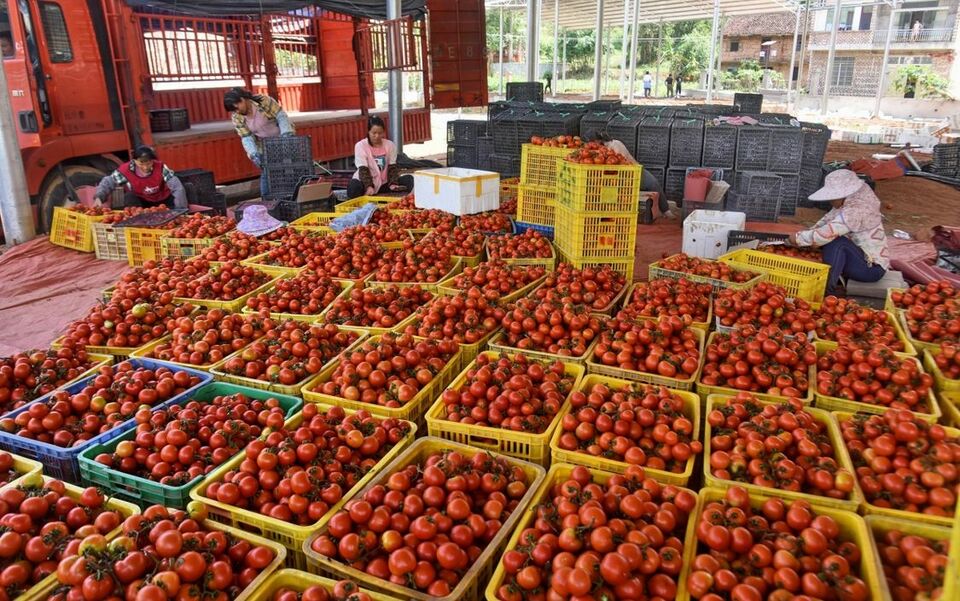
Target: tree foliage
[[922, 81]]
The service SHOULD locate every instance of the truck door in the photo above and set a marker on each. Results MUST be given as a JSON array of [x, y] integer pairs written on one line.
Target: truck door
[[16, 45], [458, 53]]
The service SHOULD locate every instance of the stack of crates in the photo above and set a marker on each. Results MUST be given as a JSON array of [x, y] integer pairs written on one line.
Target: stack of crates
[[596, 215], [537, 195], [285, 162]]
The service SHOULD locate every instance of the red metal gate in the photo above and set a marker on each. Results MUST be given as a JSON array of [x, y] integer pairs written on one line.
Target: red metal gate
[[458, 54]]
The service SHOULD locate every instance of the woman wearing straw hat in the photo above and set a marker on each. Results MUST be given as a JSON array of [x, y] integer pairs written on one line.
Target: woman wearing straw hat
[[851, 234]]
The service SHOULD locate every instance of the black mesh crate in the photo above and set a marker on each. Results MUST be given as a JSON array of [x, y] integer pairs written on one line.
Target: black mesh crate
[[753, 148], [294, 151], [673, 186], [686, 142], [811, 178], [528, 126], [719, 145], [525, 91], [217, 203], [748, 103], [738, 237], [162, 120], [505, 165], [560, 124], [623, 127], [506, 140], [594, 123], [758, 207], [658, 173], [484, 150], [199, 182], [462, 156], [712, 110], [289, 210], [465, 131], [789, 193], [282, 181], [816, 137], [786, 150], [758, 183], [495, 108], [664, 112], [604, 105], [653, 141]]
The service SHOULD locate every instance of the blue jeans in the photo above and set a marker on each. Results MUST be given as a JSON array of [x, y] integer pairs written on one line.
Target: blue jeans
[[846, 259], [264, 188]]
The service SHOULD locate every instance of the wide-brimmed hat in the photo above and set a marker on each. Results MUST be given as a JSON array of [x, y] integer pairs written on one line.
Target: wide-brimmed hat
[[838, 184], [258, 222]]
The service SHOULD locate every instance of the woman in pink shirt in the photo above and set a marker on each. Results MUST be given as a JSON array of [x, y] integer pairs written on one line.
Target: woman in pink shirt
[[376, 159]]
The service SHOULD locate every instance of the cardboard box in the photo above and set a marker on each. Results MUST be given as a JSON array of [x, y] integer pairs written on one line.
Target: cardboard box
[[313, 189]]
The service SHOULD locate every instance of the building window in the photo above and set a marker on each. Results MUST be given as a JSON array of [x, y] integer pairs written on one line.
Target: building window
[[910, 60], [734, 45], [842, 75], [866, 16], [55, 32]]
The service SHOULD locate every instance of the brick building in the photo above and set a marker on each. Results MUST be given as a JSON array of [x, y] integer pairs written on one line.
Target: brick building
[[765, 39]]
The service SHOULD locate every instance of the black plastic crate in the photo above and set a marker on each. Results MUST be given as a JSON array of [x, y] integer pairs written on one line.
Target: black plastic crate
[[753, 148], [673, 186], [217, 202], [495, 108], [198, 182], [686, 142], [662, 111], [712, 110], [758, 183], [748, 103], [506, 140], [777, 119], [162, 120], [623, 127], [287, 150], [738, 237], [462, 156], [561, 124], [811, 178], [594, 123], [604, 105], [505, 165], [653, 141], [282, 182], [465, 131], [789, 193], [816, 137], [289, 210], [530, 125], [786, 150], [658, 173], [719, 145], [529, 91], [758, 207], [484, 150]]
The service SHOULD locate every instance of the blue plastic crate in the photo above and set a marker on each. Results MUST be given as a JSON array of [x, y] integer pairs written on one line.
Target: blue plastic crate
[[520, 227], [63, 463]]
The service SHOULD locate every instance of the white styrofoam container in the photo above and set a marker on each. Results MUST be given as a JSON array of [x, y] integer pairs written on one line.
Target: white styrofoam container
[[705, 232], [457, 190]]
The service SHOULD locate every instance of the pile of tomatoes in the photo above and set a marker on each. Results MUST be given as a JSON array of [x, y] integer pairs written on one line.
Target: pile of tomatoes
[[407, 203], [426, 524], [160, 555], [947, 360], [236, 246], [771, 550], [497, 279], [913, 565], [666, 347], [128, 212], [531, 244], [343, 590], [924, 296], [508, 206], [90, 211], [490, 222], [715, 270], [108, 398], [932, 311], [342, 256], [199, 225], [619, 539], [875, 376], [518, 394], [776, 446], [903, 462], [665, 296], [112, 325], [156, 281], [459, 241], [846, 321], [173, 446], [289, 353], [298, 474], [7, 471], [422, 219], [27, 376], [226, 282], [596, 288], [595, 153], [640, 424], [766, 361], [303, 294], [557, 141], [785, 250], [206, 338], [548, 326], [388, 370], [42, 524], [465, 318], [420, 263], [761, 306], [382, 307]]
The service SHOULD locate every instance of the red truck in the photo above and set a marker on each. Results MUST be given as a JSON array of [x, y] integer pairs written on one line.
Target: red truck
[[84, 74]]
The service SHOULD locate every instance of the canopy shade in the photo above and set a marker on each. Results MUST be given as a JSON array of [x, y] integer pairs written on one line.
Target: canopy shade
[[580, 14], [373, 9]]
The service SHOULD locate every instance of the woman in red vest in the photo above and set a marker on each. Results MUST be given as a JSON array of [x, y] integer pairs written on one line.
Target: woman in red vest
[[148, 182]]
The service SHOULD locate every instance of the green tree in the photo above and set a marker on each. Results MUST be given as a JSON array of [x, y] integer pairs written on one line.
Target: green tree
[[691, 52], [921, 81]]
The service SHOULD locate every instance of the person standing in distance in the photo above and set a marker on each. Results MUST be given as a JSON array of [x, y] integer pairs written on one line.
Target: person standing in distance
[[647, 84], [256, 117]]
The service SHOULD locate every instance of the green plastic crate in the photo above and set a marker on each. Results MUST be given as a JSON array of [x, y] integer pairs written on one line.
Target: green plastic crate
[[146, 492]]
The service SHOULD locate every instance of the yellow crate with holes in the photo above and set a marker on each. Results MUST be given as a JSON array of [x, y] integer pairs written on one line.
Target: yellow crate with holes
[[919, 344], [942, 382], [595, 236], [951, 579], [143, 244], [345, 287], [23, 468], [348, 206], [371, 330], [455, 268], [499, 343], [686, 384], [109, 242], [656, 271], [235, 305], [949, 408], [538, 164], [318, 220], [185, 248], [800, 278], [879, 526], [73, 230], [598, 188], [691, 410], [700, 325], [117, 353], [522, 445], [908, 349], [624, 266], [299, 581], [549, 263], [448, 288], [537, 205]]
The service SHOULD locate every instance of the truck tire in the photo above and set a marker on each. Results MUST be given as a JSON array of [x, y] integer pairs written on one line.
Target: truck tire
[[54, 192]]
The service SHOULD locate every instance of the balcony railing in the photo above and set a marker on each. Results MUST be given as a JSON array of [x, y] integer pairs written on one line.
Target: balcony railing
[[878, 38]]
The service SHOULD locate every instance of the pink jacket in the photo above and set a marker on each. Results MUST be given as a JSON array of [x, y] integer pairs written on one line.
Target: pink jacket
[[363, 157], [858, 219]]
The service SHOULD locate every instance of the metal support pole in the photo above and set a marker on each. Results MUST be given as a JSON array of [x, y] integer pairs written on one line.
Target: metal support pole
[[713, 48], [564, 59], [633, 47], [804, 41], [501, 52], [598, 52], [830, 56], [15, 212], [793, 59], [623, 48], [659, 56], [395, 80], [883, 66], [556, 41], [607, 51], [533, 41], [269, 57], [719, 63]]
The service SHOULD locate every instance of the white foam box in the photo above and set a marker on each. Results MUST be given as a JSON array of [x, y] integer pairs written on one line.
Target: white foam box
[[457, 190], [705, 232]]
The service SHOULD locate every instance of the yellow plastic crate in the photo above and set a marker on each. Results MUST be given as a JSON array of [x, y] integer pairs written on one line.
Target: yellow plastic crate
[[879, 525], [624, 266], [905, 516], [558, 473], [949, 408], [537, 205], [658, 272], [456, 268], [549, 263], [74, 230], [941, 382], [143, 244], [951, 588], [315, 220], [348, 206], [498, 343], [888, 304], [24, 468], [830, 403], [260, 262], [372, 331], [685, 384], [447, 288], [509, 186], [240, 302], [185, 248], [345, 287], [800, 278], [919, 344], [530, 447], [598, 188], [700, 325], [538, 164], [839, 450], [468, 352], [414, 411], [604, 311], [472, 583], [116, 353], [299, 581], [596, 235], [691, 409], [908, 349], [289, 536], [852, 528], [147, 351], [109, 242]]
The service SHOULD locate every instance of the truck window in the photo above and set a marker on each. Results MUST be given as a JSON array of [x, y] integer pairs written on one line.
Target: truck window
[[7, 49], [55, 32]]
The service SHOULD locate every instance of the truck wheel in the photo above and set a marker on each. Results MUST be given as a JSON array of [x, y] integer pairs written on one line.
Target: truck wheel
[[55, 193]]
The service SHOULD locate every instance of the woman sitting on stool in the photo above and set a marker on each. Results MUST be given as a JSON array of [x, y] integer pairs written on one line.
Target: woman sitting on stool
[[851, 235], [376, 159]]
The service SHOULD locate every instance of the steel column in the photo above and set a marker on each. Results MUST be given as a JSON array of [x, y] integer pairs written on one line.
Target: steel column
[[713, 48], [533, 40], [623, 47], [15, 213], [598, 52], [793, 59], [633, 47], [883, 67], [556, 41], [831, 54], [395, 80], [501, 52]]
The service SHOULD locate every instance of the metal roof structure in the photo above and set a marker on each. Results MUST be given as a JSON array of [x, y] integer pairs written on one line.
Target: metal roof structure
[[580, 14]]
